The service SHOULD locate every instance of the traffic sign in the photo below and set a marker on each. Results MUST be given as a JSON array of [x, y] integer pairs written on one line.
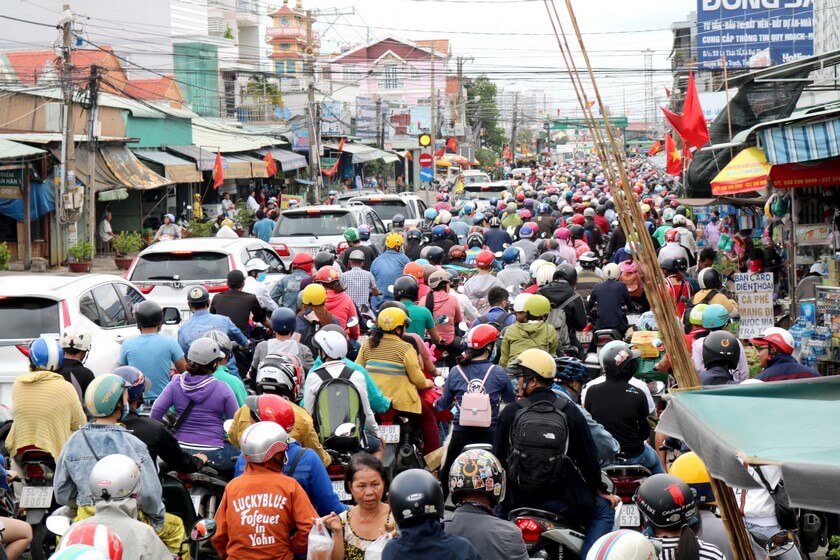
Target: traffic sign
[[426, 174], [426, 159], [424, 139]]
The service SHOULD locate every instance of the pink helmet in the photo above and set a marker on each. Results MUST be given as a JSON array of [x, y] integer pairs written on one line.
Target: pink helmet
[[563, 234]]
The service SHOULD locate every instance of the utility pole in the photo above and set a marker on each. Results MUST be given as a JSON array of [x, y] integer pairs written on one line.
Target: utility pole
[[90, 192], [433, 102], [513, 129], [68, 149], [314, 193], [380, 137]]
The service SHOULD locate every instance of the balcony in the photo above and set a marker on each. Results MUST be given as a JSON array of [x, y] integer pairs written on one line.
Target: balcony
[[247, 13]]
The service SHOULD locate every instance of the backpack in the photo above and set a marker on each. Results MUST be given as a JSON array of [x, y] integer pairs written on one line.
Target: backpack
[[337, 402], [539, 441], [476, 409], [307, 337], [557, 319], [690, 305], [286, 291], [498, 324]]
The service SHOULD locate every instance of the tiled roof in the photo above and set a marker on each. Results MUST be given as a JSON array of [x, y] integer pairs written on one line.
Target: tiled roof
[[29, 65], [440, 45], [151, 89]]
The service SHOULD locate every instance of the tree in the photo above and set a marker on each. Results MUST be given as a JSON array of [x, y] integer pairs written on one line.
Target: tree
[[486, 157], [262, 90], [483, 113]]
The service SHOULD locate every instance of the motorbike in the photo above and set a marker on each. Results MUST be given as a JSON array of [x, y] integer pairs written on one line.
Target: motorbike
[[627, 479], [37, 499], [403, 443]]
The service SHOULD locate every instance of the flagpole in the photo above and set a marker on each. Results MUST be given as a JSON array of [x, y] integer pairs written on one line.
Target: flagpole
[[728, 110]]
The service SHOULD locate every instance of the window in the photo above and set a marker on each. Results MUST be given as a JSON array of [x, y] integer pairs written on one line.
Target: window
[[268, 257], [374, 222], [104, 307], [28, 317], [181, 266], [350, 73], [391, 77], [291, 67], [318, 223], [285, 46], [131, 297]]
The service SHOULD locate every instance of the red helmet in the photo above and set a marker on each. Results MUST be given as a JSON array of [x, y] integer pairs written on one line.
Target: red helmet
[[776, 337], [501, 205], [457, 253], [480, 336], [327, 275], [525, 214], [638, 189], [414, 269], [675, 203], [271, 408], [577, 197], [520, 197], [647, 200], [578, 219], [302, 261], [484, 259], [533, 225], [96, 535], [672, 235]]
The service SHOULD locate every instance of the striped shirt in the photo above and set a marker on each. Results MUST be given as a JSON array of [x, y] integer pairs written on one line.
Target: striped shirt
[[669, 549], [358, 283], [395, 368]]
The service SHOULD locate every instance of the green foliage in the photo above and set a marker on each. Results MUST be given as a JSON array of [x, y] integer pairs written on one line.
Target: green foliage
[[834, 547], [81, 251], [197, 228], [128, 242], [228, 32], [484, 113], [243, 216], [259, 88], [5, 256], [486, 157]]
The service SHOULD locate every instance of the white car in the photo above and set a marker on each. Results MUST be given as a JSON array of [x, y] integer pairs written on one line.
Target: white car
[[166, 270], [471, 176], [44, 304], [387, 206], [520, 171], [481, 193], [310, 228]]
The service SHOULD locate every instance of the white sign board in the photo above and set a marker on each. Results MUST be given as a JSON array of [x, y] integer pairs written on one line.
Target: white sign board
[[755, 303]]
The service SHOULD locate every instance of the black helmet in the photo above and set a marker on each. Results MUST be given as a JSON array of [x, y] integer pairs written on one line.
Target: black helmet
[[681, 263], [198, 294], [398, 220], [669, 265], [566, 272], [619, 359], [588, 260], [406, 287], [610, 204], [415, 494], [601, 210], [709, 279], [576, 231], [666, 501], [721, 347], [391, 303], [283, 320], [414, 234], [322, 258], [681, 210], [435, 254], [148, 314]]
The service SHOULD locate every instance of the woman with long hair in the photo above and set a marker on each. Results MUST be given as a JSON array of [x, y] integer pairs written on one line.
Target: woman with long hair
[[312, 315]]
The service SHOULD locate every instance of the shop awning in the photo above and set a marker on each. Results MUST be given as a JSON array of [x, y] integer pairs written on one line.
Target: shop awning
[[735, 423], [824, 173], [117, 167], [238, 168], [457, 160], [803, 142], [287, 160], [204, 159], [227, 138], [175, 169], [257, 166], [14, 150], [363, 154], [747, 172]]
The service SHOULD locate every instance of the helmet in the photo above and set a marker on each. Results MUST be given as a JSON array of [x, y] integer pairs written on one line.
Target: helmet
[[439, 231], [255, 264], [475, 240], [77, 338], [413, 234], [147, 313], [512, 255], [406, 287], [114, 477], [566, 272], [721, 347], [327, 275], [666, 501], [398, 220], [534, 362], [280, 373], [134, 381], [313, 294], [414, 269], [612, 271], [415, 494], [439, 277], [622, 545], [715, 316], [204, 351], [494, 222], [589, 213], [480, 336], [567, 210], [576, 231], [545, 274], [333, 344], [271, 408], [468, 208], [570, 369], [672, 235], [283, 320], [588, 260], [434, 254], [777, 338], [485, 259], [103, 394], [97, 536], [464, 475], [695, 316], [394, 240], [525, 214], [689, 468], [478, 219], [260, 442], [618, 359], [322, 259], [709, 279], [679, 220], [457, 253], [430, 214], [444, 217], [562, 234], [351, 235], [221, 339], [79, 552], [303, 261], [364, 232], [669, 265], [328, 248], [198, 295], [537, 306], [391, 319], [647, 322]]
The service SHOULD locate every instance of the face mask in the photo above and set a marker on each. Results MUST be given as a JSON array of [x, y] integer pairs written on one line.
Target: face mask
[[261, 277], [714, 219]]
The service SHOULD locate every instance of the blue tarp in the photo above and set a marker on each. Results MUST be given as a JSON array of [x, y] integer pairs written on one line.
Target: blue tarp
[[41, 202], [798, 143]]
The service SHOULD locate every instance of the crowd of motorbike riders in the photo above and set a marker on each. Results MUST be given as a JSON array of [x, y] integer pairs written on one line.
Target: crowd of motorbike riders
[[276, 390]]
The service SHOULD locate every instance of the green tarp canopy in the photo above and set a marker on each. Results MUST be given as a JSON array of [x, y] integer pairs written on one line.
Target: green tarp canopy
[[795, 424]]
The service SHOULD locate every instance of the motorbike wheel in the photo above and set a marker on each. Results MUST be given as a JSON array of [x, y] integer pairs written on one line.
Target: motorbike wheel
[[43, 542]]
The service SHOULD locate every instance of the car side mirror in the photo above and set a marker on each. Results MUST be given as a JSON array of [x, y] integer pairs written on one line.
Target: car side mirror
[[171, 316]]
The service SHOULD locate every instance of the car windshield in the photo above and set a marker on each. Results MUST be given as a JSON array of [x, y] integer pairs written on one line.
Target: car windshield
[[387, 209], [181, 265], [483, 193], [470, 179], [316, 223], [23, 318]]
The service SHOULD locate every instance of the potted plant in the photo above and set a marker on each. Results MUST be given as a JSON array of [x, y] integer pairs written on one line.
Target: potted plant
[[125, 245], [5, 256], [82, 255], [198, 228], [243, 218]]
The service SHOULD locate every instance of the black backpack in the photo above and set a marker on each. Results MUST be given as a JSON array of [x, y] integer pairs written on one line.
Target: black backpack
[[498, 324], [539, 441]]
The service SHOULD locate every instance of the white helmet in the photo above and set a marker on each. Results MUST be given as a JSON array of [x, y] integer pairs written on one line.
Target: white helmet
[[204, 351], [519, 302], [255, 264], [545, 274], [612, 271], [222, 339], [75, 338], [114, 477], [262, 441], [679, 220], [536, 265], [622, 545], [444, 217], [332, 343]]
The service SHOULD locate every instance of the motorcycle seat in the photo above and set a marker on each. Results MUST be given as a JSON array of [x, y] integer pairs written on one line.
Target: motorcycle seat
[[626, 471], [33, 454]]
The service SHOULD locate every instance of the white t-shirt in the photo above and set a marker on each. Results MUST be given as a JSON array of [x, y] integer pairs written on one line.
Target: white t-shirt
[[105, 232]]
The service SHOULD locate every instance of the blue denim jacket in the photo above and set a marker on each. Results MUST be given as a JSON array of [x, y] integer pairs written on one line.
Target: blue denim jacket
[[77, 459]]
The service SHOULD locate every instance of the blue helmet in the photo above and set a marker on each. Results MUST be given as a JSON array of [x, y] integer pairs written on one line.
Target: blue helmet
[[467, 209], [283, 320], [570, 369], [569, 195], [135, 382], [715, 316], [651, 228], [430, 214], [511, 255], [494, 201], [526, 231], [544, 208], [46, 353], [364, 233], [439, 231], [478, 219], [413, 234]]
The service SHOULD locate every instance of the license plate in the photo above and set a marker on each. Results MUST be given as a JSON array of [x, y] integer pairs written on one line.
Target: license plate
[[585, 337], [338, 488], [629, 516], [36, 497], [633, 319], [391, 434]]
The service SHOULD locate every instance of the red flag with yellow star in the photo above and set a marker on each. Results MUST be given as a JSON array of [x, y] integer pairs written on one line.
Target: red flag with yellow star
[[218, 172], [673, 160]]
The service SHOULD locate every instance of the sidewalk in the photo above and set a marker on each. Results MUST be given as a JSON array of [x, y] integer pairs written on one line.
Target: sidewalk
[[100, 265]]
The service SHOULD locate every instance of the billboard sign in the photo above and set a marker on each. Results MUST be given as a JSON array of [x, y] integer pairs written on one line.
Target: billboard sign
[[753, 33]]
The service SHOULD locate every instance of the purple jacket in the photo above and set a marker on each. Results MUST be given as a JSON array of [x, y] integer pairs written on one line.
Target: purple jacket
[[214, 402]]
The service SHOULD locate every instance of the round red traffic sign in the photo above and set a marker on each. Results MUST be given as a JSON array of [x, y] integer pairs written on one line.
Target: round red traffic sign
[[425, 159]]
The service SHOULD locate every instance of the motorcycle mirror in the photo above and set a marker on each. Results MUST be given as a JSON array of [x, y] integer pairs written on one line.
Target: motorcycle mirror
[[370, 324], [439, 381], [352, 322], [227, 425], [390, 289], [348, 429], [202, 530], [58, 524], [463, 326]]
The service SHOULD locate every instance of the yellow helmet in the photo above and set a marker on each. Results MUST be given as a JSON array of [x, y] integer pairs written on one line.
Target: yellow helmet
[[538, 306], [689, 468], [394, 240], [391, 318], [537, 361], [314, 294]]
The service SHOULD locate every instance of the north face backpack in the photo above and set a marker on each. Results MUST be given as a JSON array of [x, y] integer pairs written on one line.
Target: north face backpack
[[539, 441], [337, 402], [557, 318]]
